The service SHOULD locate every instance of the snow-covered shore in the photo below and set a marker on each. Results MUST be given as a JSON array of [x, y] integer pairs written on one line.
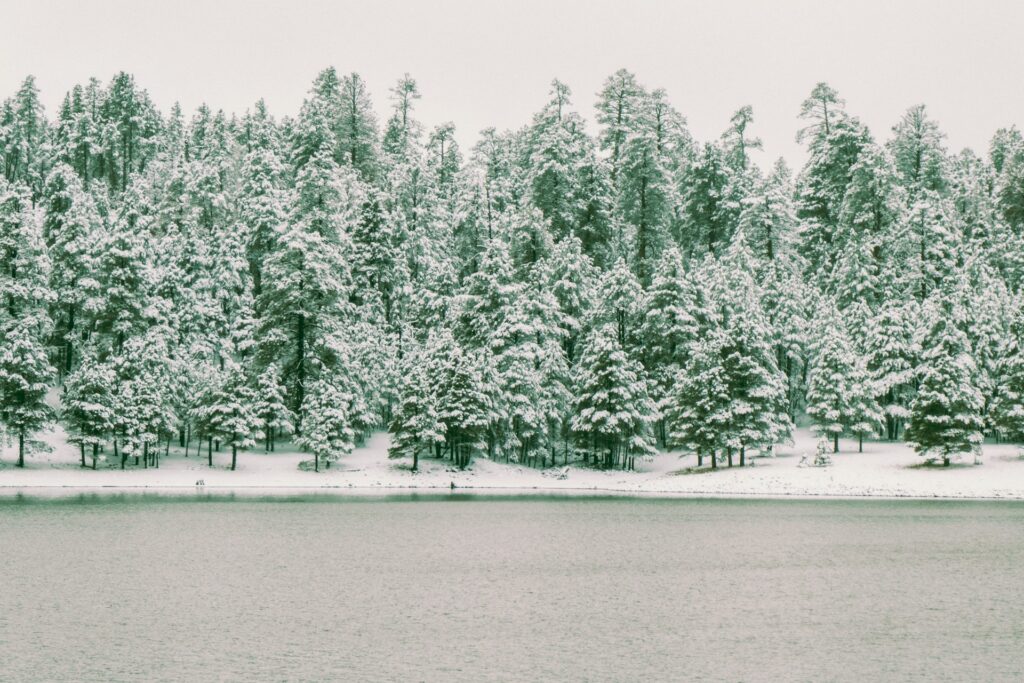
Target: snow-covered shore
[[884, 470]]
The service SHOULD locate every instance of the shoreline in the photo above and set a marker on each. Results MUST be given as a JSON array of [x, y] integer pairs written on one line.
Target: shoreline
[[271, 491], [884, 471]]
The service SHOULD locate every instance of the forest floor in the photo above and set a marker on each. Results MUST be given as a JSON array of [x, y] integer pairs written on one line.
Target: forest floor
[[884, 469]]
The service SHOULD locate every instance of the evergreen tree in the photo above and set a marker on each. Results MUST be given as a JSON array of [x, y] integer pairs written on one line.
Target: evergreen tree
[[840, 396], [271, 405], [357, 128], [466, 406], [669, 327], [767, 219], [618, 109], [70, 222], [891, 356], [89, 405], [946, 415], [612, 410], [24, 373], [918, 154], [416, 424], [232, 413], [326, 427], [700, 411]]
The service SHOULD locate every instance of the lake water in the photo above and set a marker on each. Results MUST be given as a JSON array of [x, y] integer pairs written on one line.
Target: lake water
[[528, 589]]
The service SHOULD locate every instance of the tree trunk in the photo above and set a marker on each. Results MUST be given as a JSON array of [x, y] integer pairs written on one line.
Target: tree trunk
[[234, 456], [209, 451], [415, 460], [728, 455], [21, 448], [835, 442], [95, 448], [81, 450], [316, 462], [945, 462], [700, 458], [743, 456], [860, 443], [714, 460]]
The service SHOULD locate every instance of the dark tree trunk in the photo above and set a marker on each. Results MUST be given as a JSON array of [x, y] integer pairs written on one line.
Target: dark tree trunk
[[945, 462], [21, 448], [81, 450], [234, 456], [743, 456], [209, 451], [95, 449], [860, 443], [835, 442]]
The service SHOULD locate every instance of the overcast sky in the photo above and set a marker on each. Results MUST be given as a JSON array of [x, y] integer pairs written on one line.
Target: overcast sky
[[481, 63]]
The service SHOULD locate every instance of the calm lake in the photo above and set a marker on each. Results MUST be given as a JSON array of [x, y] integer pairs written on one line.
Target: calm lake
[[525, 589]]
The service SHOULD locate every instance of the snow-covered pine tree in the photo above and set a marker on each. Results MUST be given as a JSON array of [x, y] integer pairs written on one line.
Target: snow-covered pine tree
[[618, 110], [145, 407], [559, 151], [570, 276], [835, 143], [918, 153], [620, 303], [356, 130], [651, 153], [416, 425], [699, 412], [1007, 410], [707, 220], [24, 373], [24, 261], [668, 328], [271, 406], [326, 427], [891, 356], [88, 407], [71, 222], [865, 415], [232, 413], [783, 299], [840, 396], [767, 217], [946, 415], [467, 404], [612, 410]]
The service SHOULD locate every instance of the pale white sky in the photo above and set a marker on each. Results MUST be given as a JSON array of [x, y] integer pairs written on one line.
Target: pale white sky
[[482, 63]]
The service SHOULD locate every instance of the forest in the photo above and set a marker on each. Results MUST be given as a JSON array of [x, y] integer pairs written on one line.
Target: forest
[[564, 292]]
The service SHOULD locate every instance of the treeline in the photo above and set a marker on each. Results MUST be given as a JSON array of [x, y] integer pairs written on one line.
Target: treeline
[[545, 296]]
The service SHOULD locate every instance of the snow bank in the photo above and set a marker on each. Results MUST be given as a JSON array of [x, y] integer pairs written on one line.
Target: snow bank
[[883, 470]]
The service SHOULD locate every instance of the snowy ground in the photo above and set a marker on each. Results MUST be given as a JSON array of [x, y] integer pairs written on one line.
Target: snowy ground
[[883, 470]]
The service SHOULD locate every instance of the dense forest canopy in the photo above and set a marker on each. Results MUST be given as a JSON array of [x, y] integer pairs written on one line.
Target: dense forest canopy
[[546, 295]]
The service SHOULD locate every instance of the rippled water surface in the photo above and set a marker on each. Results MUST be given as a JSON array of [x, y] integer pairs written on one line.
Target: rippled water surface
[[474, 589]]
